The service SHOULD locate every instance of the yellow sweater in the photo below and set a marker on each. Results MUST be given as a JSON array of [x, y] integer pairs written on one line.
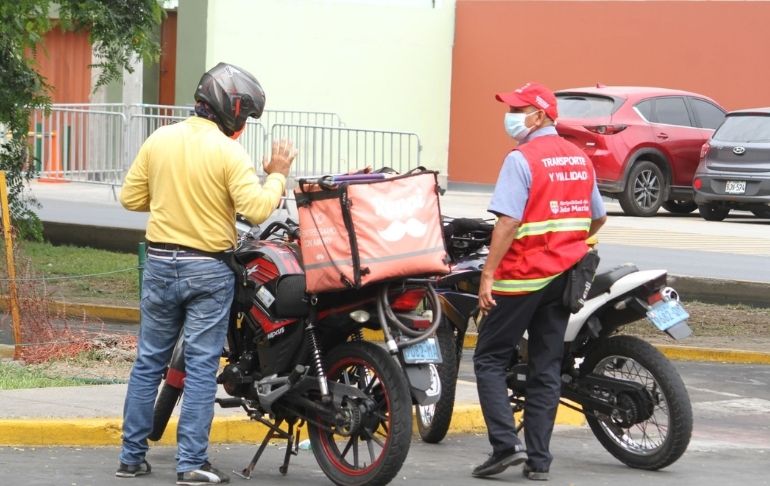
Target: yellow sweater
[[193, 179]]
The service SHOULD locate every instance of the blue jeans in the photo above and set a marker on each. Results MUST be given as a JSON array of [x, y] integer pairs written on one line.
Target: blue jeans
[[195, 296]]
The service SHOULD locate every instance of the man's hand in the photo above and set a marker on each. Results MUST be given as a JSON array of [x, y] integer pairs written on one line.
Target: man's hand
[[486, 301], [281, 158]]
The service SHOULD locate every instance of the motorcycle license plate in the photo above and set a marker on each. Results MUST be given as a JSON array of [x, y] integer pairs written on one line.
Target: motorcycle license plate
[[423, 352], [735, 187], [666, 314]]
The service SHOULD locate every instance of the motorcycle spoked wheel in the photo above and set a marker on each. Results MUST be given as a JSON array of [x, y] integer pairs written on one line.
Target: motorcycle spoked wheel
[[167, 399], [370, 445], [433, 420], [662, 438]]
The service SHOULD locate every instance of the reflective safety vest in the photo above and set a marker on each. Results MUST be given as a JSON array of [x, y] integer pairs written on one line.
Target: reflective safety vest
[[557, 217]]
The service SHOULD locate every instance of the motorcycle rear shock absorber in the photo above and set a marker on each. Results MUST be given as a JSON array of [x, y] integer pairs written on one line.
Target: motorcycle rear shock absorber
[[315, 357]]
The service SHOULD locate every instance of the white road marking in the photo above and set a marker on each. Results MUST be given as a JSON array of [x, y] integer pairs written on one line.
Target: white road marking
[[738, 406], [707, 390]]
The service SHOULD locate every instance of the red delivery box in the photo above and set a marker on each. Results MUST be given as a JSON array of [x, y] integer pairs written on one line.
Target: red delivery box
[[358, 230]]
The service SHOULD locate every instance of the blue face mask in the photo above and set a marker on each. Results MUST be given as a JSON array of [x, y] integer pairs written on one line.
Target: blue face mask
[[515, 127]]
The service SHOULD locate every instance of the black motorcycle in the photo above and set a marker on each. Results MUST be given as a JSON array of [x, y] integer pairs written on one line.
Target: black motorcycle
[[295, 360]]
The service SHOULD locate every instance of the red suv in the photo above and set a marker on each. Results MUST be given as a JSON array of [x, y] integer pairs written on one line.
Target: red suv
[[644, 142]]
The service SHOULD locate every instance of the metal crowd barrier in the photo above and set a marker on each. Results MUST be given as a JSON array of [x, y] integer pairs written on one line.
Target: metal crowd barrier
[[325, 150], [80, 144], [98, 142]]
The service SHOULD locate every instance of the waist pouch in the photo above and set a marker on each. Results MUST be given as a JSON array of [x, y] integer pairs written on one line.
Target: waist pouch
[[579, 280], [245, 288]]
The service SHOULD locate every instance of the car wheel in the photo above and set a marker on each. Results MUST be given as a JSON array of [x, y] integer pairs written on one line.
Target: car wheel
[[680, 207], [713, 212], [761, 213], [645, 190]]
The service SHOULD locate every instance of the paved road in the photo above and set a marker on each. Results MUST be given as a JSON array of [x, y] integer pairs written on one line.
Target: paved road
[[580, 461], [738, 249], [730, 445]]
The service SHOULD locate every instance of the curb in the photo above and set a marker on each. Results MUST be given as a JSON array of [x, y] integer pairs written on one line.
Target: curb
[[466, 419], [673, 352]]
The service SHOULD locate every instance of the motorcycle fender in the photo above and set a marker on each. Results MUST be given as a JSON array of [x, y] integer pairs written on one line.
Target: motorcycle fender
[[424, 383]]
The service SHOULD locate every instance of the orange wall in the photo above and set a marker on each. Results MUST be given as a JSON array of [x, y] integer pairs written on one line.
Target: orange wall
[[63, 60], [720, 49]]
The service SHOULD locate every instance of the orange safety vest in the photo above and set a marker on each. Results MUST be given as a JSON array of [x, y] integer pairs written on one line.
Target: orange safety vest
[[557, 217]]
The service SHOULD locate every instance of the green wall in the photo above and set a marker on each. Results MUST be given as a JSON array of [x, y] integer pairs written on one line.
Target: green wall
[[192, 19]]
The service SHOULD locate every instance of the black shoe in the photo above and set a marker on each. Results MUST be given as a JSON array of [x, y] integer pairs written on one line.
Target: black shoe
[[133, 470], [206, 474], [534, 474], [499, 461]]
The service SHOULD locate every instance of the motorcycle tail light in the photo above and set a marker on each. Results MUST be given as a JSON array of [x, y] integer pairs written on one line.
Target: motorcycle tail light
[[654, 298], [421, 324], [408, 301]]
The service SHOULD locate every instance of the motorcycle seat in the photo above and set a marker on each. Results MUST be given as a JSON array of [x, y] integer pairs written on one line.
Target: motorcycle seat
[[603, 281]]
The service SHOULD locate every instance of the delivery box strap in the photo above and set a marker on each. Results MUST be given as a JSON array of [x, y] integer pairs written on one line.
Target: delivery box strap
[[357, 271], [364, 261]]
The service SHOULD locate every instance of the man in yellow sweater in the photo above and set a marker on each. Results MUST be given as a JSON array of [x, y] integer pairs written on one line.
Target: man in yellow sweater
[[193, 177]]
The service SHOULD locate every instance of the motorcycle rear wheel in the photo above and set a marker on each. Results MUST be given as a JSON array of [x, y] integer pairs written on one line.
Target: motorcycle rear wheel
[[433, 420], [663, 437], [375, 445], [164, 406]]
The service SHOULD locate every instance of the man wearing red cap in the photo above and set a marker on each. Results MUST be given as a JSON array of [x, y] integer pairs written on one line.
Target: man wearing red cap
[[547, 204]]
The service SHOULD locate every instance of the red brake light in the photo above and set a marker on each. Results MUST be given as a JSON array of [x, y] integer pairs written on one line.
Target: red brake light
[[656, 297], [704, 150], [697, 184], [606, 129], [408, 301]]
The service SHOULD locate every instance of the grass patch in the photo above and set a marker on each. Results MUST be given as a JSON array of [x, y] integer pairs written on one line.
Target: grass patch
[[14, 376], [81, 274]]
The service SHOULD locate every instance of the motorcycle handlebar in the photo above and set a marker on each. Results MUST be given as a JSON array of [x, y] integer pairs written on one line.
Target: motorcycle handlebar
[[289, 227]]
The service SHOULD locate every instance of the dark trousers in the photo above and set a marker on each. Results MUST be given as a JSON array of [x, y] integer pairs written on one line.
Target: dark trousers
[[545, 318]]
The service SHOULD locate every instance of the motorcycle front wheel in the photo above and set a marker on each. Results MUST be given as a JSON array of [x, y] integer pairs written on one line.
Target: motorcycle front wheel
[[369, 442], [433, 420], [662, 431]]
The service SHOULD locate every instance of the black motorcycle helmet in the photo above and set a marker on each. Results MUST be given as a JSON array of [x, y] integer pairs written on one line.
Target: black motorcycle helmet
[[233, 94]]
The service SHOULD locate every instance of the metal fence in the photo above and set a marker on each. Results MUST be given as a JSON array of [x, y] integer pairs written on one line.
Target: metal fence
[[329, 150], [97, 142], [79, 143]]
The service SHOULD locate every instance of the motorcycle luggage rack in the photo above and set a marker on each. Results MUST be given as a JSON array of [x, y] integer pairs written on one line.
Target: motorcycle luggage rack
[[292, 447]]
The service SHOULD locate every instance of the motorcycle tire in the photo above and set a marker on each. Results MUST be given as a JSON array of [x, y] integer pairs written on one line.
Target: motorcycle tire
[[164, 406], [370, 445], [433, 420], [661, 438]]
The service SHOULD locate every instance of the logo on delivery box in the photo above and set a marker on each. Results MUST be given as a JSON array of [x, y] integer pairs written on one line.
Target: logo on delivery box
[[401, 214]]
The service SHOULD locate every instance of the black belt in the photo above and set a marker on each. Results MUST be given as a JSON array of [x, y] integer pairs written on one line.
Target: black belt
[[185, 249]]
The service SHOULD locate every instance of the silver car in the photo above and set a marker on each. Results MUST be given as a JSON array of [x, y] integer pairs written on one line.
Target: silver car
[[734, 170]]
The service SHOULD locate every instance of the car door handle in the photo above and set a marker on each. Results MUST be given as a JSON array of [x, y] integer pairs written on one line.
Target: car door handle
[[663, 135]]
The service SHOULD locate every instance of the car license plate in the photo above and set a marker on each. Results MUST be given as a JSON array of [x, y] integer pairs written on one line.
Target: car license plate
[[423, 352], [735, 187], [666, 314]]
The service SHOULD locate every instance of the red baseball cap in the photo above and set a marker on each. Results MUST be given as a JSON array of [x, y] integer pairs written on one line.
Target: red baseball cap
[[531, 94]]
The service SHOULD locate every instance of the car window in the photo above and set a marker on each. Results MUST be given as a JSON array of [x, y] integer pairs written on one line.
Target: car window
[[584, 106], [708, 115], [744, 129], [671, 111], [645, 108]]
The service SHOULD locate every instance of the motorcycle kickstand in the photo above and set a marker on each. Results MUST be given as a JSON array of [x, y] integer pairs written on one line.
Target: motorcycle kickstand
[[292, 448], [273, 432]]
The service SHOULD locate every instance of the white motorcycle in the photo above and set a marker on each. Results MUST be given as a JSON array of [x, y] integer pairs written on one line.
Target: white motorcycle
[[631, 395]]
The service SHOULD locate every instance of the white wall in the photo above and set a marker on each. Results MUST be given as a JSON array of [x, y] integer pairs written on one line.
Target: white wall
[[382, 64]]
